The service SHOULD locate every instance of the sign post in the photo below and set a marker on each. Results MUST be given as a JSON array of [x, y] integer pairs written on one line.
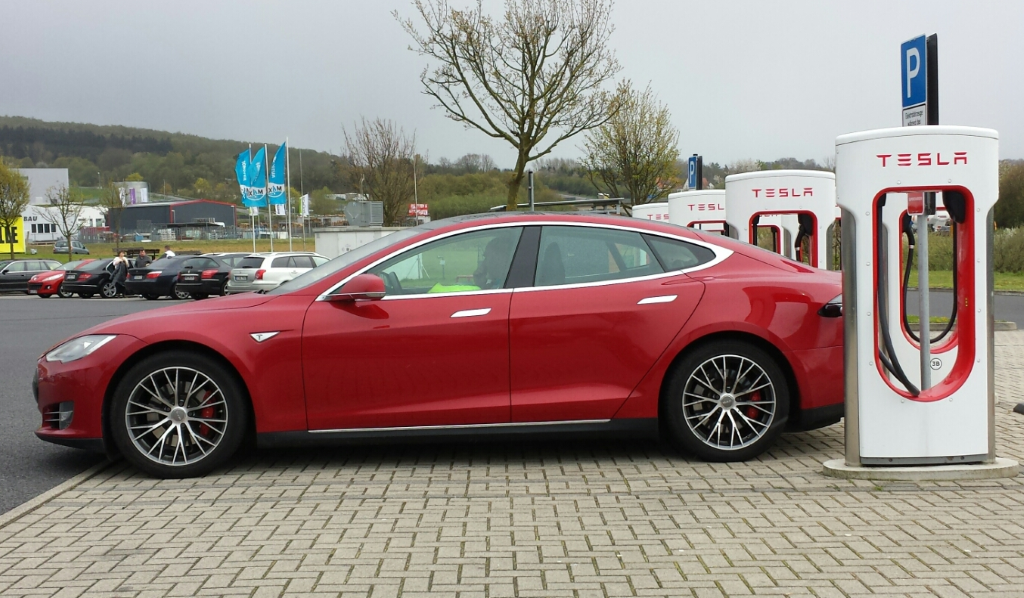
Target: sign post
[[919, 73]]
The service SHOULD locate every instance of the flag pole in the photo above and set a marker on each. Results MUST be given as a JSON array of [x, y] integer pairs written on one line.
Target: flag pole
[[252, 217], [288, 187], [266, 194]]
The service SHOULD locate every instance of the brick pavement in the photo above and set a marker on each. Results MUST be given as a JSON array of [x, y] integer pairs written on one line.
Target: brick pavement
[[592, 518]]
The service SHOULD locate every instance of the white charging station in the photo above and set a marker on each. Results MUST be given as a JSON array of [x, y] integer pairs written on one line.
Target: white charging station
[[703, 209], [793, 204], [657, 211], [908, 403]]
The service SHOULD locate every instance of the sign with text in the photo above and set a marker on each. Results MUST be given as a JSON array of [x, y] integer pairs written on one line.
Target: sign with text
[[920, 81], [419, 209], [13, 236], [691, 172]]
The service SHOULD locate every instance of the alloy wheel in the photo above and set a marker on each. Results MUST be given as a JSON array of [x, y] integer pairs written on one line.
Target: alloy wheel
[[729, 402], [176, 416]]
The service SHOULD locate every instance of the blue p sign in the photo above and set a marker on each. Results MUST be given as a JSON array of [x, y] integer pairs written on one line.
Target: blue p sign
[[913, 68], [691, 172]]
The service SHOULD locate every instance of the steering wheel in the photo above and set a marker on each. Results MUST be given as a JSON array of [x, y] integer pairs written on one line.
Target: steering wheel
[[391, 284]]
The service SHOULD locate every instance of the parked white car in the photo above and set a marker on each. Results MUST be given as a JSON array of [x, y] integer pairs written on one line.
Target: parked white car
[[265, 271]]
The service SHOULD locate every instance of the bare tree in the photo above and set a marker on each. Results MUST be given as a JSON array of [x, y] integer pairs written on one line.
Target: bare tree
[[13, 201], [63, 212], [112, 203], [381, 155], [635, 151], [536, 72], [745, 165]]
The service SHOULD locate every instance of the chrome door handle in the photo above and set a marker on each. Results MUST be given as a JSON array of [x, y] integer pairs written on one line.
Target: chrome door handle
[[659, 299], [470, 313]]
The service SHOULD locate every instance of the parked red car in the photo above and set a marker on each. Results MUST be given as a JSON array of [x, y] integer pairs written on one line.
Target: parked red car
[[493, 325], [46, 284]]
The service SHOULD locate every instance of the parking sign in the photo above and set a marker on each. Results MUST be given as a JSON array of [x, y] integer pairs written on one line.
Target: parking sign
[[691, 172], [919, 77]]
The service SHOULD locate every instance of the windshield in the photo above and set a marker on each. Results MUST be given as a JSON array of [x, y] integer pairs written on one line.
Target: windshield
[[347, 259]]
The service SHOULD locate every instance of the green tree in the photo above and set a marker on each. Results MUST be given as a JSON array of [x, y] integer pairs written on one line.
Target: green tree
[[634, 152], [1009, 210], [532, 78], [13, 200], [320, 204], [134, 178], [203, 188]]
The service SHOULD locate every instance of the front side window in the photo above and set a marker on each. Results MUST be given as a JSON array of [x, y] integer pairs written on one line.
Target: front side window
[[578, 255], [468, 262]]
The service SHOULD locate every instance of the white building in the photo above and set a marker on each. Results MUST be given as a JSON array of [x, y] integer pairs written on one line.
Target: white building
[[40, 180], [40, 229]]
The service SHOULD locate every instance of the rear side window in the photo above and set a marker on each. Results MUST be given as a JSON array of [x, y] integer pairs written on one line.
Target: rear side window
[[251, 262], [301, 261], [280, 262], [579, 255], [679, 255]]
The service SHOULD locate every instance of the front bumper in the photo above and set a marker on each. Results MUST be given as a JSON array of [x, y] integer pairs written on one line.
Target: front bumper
[[84, 383], [43, 288]]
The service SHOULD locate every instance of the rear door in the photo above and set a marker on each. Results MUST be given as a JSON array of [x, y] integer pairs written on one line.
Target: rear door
[[602, 310]]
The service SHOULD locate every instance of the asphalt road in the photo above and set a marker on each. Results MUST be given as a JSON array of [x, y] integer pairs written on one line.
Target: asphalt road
[[1007, 307], [29, 326]]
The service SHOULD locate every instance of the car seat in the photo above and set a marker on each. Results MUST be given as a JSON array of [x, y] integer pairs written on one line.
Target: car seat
[[551, 270]]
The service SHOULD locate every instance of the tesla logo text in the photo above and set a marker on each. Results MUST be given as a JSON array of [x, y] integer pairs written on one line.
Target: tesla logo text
[[922, 159], [806, 192], [657, 217], [706, 207]]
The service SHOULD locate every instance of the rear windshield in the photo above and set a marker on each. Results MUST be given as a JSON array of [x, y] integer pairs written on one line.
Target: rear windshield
[[250, 262], [94, 266]]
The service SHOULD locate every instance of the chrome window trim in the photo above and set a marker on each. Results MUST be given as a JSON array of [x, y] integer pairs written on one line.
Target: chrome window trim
[[721, 254], [460, 426]]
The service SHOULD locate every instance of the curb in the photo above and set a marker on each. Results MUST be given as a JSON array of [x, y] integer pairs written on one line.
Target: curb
[[33, 504]]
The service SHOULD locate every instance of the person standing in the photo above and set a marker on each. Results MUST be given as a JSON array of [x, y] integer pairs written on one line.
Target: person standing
[[120, 264], [143, 259], [167, 251]]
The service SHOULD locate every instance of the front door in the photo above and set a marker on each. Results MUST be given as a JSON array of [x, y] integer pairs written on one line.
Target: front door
[[432, 352], [603, 309]]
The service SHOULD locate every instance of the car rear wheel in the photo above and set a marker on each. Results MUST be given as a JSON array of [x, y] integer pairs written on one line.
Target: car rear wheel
[[64, 294], [179, 295], [109, 290], [726, 401], [178, 415]]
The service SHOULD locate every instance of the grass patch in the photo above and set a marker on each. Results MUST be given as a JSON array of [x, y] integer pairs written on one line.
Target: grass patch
[[943, 279]]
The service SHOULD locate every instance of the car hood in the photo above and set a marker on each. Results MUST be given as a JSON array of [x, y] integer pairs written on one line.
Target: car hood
[[130, 324]]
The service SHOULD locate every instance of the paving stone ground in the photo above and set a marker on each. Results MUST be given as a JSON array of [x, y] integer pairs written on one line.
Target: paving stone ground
[[588, 518]]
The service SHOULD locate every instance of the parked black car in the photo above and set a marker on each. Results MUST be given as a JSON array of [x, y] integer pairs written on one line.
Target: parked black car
[[158, 279], [14, 274], [205, 275], [94, 278]]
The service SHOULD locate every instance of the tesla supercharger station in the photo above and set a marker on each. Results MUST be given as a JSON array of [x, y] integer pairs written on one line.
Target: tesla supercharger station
[[657, 211], [908, 403], [703, 209], [794, 204]]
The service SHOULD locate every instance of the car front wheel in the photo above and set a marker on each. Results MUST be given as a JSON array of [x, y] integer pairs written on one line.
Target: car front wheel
[[726, 401], [64, 294], [178, 415]]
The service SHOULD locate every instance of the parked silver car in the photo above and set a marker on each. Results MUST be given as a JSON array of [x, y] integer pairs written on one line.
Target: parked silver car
[[265, 271]]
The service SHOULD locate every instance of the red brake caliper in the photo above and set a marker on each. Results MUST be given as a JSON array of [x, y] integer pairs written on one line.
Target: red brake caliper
[[206, 413], [751, 410]]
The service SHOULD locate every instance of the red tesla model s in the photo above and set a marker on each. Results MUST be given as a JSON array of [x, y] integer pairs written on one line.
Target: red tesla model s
[[493, 324]]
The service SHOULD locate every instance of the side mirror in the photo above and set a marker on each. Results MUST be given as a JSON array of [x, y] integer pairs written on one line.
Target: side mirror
[[361, 288]]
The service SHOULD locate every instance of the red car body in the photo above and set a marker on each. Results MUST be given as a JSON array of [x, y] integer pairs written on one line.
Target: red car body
[[46, 284], [589, 355]]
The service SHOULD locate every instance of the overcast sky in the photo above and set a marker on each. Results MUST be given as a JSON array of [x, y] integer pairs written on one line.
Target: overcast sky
[[754, 79]]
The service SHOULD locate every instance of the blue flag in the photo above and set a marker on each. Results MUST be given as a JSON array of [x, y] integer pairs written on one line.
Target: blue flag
[[242, 173], [257, 195], [277, 184]]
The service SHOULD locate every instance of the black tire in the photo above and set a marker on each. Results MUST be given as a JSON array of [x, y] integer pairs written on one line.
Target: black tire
[[151, 297], [85, 295], [179, 295], [740, 383], [224, 289], [138, 419], [44, 295], [64, 294], [108, 290]]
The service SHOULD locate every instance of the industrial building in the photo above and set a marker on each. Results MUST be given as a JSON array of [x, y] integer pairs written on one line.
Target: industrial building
[[195, 218]]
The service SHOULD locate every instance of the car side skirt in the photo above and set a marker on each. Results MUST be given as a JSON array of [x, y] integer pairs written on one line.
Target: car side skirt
[[817, 417], [633, 427]]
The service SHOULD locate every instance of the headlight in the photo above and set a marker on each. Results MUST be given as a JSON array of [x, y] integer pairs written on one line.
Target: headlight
[[78, 348]]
